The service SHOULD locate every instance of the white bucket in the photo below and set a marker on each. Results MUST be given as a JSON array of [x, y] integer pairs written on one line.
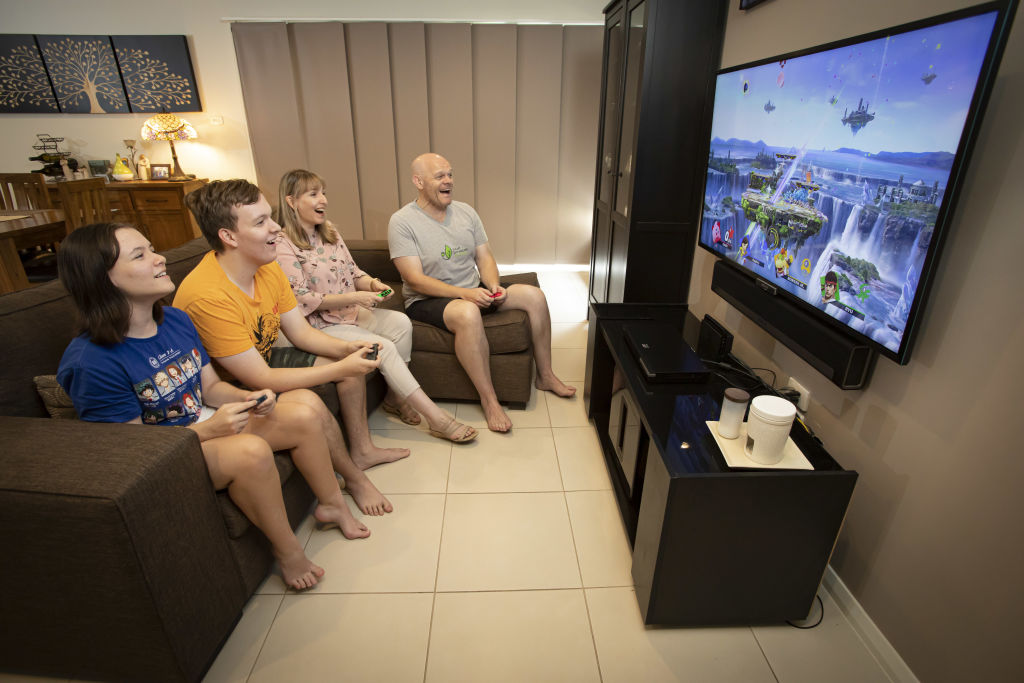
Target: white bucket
[[768, 428]]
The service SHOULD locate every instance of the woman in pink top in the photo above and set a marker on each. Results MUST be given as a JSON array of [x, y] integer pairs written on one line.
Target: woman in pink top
[[336, 296]]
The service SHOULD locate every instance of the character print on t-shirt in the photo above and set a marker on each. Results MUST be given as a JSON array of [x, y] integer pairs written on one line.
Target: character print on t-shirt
[[176, 374], [146, 391], [163, 383], [196, 358], [175, 410], [152, 416], [191, 404], [188, 365]]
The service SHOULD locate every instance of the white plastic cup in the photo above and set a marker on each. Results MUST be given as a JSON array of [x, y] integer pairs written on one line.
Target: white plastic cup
[[768, 428], [734, 405]]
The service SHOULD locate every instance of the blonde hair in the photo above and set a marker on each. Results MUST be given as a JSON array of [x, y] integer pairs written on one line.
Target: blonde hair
[[293, 184]]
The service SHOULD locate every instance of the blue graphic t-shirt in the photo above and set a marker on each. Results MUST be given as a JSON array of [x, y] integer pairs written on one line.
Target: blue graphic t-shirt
[[157, 379]]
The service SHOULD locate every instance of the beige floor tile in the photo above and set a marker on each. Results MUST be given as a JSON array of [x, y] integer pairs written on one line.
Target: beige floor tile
[[534, 415], [506, 463], [567, 295], [239, 653], [628, 652], [379, 637], [601, 544], [274, 584], [400, 556], [580, 459], [568, 412], [831, 651], [506, 541], [424, 471], [570, 365], [514, 636], [569, 335]]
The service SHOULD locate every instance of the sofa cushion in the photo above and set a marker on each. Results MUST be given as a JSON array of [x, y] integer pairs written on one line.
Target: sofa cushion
[[58, 403]]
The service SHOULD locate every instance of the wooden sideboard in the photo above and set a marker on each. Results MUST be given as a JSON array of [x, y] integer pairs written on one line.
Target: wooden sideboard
[[155, 207]]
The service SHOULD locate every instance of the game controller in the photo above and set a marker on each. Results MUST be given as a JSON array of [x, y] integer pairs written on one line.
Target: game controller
[[259, 399], [495, 295], [372, 355], [385, 293]]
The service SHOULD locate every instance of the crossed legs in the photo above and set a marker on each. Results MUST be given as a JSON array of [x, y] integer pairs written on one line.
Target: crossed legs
[[465, 322]]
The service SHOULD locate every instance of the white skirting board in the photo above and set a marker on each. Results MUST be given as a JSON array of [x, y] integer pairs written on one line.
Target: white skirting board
[[874, 640]]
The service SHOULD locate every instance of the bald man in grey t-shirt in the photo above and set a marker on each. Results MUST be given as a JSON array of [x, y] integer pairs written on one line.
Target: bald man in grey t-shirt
[[451, 279]]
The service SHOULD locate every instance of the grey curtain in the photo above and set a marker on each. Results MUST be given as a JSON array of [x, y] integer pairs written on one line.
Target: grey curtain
[[514, 108]]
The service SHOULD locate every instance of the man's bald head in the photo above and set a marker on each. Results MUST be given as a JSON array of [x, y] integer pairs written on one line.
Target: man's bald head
[[432, 176]]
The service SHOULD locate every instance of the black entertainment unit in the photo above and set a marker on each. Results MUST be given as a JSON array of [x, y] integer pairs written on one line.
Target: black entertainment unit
[[843, 359], [711, 544]]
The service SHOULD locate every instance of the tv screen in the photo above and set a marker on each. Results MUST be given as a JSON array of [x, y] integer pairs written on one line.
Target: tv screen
[[832, 172]]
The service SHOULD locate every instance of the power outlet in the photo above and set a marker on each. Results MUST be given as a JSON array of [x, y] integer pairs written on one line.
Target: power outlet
[[805, 395]]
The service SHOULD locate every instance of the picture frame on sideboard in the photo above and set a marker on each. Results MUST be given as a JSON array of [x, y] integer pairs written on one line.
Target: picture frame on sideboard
[[159, 171]]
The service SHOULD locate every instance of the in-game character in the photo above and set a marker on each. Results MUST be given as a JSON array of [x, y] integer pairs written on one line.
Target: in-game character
[[829, 285]]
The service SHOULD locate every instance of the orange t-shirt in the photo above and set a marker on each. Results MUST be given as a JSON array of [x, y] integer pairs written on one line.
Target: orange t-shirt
[[228, 320]]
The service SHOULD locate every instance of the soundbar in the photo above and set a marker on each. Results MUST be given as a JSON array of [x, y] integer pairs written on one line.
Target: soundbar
[[846, 362]]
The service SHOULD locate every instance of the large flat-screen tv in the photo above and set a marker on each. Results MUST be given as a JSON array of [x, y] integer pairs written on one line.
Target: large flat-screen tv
[[833, 172]]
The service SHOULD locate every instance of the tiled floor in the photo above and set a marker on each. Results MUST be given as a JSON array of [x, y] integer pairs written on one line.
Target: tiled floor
[[505, 560]]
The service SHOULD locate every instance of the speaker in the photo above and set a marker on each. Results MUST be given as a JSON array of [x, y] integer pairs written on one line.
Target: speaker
[[714, 342], [846, 361]]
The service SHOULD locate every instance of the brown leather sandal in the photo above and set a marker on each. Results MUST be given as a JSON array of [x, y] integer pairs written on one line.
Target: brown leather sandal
[[392, 409]]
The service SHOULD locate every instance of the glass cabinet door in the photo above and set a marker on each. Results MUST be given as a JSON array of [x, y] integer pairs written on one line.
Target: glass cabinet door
[[635, 41], [614, 52]]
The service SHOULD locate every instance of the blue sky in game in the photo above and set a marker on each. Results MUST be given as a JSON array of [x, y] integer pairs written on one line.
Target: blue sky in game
[[811, 93]]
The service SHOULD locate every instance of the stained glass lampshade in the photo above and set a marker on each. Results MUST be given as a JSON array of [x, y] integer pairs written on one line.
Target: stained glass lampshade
[[169, 127]]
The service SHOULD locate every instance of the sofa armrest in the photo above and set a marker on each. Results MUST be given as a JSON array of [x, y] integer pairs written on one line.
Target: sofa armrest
[[118, 562]]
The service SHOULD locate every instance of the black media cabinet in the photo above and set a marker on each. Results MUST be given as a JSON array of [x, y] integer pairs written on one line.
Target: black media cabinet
[[711, 544]]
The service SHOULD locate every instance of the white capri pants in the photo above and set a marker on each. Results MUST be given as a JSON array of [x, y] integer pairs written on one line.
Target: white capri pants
[[393, 331]]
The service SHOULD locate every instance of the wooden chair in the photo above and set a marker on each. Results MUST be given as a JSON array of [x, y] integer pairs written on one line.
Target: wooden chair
[[84, 202], [22, 191]]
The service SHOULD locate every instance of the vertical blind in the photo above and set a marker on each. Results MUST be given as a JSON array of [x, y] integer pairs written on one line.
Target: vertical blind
[[513, 108]]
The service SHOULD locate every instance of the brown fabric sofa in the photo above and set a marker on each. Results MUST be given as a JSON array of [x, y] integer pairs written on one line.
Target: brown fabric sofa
[[433, 350], [120, 560]]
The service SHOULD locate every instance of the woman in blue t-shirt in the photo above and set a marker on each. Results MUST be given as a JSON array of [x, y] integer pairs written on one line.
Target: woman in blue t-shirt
[[137, 361]]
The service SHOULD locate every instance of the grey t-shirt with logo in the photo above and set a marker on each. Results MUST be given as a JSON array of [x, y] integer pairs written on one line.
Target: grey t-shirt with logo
[[447, 250]]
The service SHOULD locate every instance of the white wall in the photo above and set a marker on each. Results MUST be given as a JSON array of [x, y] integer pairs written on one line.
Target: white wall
[[222, 151], [931, 546]]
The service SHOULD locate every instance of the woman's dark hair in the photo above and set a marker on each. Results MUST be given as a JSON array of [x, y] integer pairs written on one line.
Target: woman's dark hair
[[84, 261]]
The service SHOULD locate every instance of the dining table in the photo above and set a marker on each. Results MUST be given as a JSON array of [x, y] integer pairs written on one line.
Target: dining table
[[24, 229]]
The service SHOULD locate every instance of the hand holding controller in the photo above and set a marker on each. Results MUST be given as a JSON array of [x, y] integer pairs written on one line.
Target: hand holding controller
[[372, 355], [385, 294]]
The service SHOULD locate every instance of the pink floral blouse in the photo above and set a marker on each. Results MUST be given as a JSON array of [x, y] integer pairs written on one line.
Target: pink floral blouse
[[313, 273]]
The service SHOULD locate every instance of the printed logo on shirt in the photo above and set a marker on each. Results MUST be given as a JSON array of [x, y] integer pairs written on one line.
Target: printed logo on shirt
[[448, 252], [154, 362]]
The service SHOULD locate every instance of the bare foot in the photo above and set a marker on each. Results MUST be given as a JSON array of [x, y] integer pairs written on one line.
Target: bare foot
[[556, 386], [365, 459], [497, 419], [338, 515], [368, 498], [297, 570]]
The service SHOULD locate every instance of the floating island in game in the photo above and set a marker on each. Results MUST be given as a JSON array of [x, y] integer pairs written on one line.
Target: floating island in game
[[782, 208], [858, 118]]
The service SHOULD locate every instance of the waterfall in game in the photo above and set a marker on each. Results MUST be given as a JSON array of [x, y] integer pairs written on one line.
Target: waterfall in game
[[850, 240]]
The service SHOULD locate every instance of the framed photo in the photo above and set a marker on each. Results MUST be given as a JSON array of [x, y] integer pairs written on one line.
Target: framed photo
[[159, 171], [99, 168]]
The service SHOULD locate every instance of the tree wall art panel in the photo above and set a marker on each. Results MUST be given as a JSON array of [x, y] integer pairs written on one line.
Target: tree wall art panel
[[84, 74], [24, 84], [157, 73]]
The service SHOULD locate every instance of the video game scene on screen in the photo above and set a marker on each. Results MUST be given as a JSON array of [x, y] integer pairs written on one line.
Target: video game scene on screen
[[827, 171]]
